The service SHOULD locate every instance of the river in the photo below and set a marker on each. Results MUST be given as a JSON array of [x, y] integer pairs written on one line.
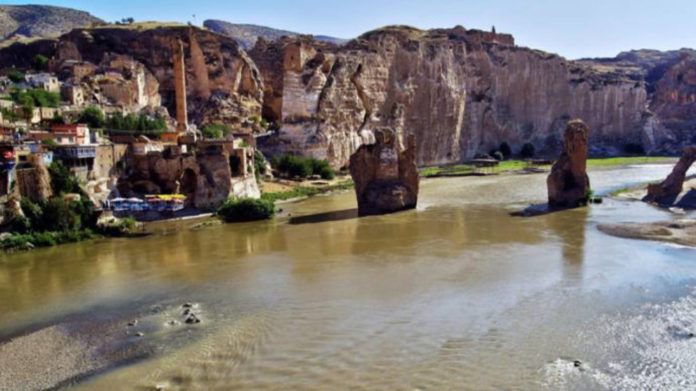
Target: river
[[457, 294]]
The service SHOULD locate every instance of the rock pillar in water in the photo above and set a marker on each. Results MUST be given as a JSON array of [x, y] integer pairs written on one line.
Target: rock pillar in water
[[568, 183], [667, 191], [386, 179]]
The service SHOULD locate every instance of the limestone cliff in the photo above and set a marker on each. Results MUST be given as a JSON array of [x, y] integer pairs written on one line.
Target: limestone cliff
[[461, 92], [223, 84]]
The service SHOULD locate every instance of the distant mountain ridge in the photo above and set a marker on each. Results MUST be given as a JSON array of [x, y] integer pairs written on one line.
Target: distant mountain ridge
[[41, 21], [247, 34]]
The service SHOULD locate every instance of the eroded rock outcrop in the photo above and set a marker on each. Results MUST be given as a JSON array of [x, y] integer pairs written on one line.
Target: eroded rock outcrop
[[386, 177], [461, 92], [33, 180], [667, 192], [568, 183], [223, 84]]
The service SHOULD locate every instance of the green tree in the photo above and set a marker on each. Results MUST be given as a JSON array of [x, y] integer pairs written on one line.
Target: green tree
[[528, 151], [16, 76], [59, 216], [40, 62], [505, 149], [62, 180], [216, 131], [93, 116]]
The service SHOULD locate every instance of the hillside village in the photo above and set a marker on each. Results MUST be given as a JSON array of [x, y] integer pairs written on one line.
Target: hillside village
[[105, 123]]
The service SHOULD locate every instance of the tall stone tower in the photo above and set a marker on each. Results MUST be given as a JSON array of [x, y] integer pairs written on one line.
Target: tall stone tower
[[180, 86]]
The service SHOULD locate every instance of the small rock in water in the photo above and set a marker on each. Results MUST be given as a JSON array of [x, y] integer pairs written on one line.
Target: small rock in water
[[187, 305], [173, 323], [132, 323], [192, 319], [139, 334], [577, 363]]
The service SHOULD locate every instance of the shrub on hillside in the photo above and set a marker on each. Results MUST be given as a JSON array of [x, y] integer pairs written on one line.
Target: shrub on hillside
[[528, 151], [246, 209], [505, 149], [93, 116], [62, 180], [259, 163], [297, 166], [634, 149], [216, 131], [16, 76]]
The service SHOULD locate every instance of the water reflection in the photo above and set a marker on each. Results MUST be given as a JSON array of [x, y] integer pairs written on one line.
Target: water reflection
[[326, 217], [428, 298], [570, 227]]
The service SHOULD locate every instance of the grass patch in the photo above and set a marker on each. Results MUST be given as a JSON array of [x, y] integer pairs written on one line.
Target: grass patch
[[621, 161], [465, 169], [305, 192], [518, 165]]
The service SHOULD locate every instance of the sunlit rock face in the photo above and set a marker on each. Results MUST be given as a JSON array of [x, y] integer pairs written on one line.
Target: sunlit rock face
[[223, 84], [460, 92], [568, 183], [386, 177], [668, 191]]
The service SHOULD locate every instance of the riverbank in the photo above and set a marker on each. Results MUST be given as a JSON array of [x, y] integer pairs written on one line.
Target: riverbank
[[531, 166], [285, 190]]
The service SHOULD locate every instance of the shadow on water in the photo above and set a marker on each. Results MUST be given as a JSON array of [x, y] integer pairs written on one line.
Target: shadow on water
[[688, 201], [347, 214], [537, 210]]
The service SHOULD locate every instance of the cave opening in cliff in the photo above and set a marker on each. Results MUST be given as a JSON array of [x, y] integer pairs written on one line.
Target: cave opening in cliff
[[188, 182]]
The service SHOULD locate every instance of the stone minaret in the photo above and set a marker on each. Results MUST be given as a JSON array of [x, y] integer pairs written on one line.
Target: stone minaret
[[180, 86]]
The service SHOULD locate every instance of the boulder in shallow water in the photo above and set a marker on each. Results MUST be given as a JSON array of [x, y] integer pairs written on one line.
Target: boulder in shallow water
[[386, 179], [568, 183], [667, 192]]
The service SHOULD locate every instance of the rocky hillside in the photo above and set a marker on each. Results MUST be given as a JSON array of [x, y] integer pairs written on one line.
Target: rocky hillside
[[223, 84], [461, 92], [670, 82], [247, 34], [41, 21]]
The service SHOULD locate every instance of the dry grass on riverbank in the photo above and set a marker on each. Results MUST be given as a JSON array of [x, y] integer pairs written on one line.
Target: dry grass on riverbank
[[283, 190], [511, 166]]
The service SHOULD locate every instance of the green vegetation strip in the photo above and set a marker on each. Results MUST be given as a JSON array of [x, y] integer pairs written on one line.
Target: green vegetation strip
[[517, 165], [305, 192], [622, 161]]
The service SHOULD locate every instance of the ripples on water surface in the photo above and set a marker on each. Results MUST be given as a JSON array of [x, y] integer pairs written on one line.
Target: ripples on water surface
[[456, 295]]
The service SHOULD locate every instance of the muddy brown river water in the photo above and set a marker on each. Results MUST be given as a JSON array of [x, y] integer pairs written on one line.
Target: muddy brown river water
[[457, 294]]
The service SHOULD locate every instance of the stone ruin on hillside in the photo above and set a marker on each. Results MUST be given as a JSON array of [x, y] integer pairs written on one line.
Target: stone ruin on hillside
[[568, 183], [386, 179]]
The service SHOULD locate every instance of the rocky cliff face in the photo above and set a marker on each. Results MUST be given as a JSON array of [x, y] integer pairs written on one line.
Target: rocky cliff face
[[223, 84], [461, 92]]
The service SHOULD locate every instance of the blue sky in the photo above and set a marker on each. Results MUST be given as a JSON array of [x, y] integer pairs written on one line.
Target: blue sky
[[571, 28]]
